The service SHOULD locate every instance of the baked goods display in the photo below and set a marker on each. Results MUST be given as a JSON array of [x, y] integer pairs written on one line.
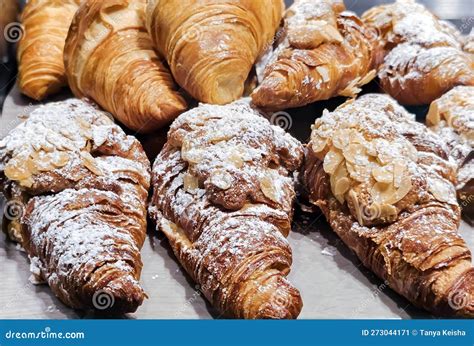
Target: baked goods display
[[211, 46], [223, 196], [391, 199], [324, 52], [109, 58], [225, 179], [452, 117], [40, 51], [84, 184], [425, 57]]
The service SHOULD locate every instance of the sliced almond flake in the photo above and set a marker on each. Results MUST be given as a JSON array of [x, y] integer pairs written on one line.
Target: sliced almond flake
[[324, 73], [269, 188], [399, 172], [440, 189], [332, 160], [190, 182], [15, 170], [89, 162], [342, 186], [318, 144], [383, 174]]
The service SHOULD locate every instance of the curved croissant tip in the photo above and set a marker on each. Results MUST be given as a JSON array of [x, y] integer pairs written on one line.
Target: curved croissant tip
[[273, 92], [284, 302], [122, 295]]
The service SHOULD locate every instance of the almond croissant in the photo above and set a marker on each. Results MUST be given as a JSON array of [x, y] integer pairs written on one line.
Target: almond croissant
[[222, 195], [211, 46], [83, 184], [109, 58], [452, 117], [40, 51], [385, 185], [324, 53], [424, 54]]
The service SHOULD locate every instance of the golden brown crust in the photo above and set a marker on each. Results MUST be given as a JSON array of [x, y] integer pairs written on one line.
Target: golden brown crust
[[211, 46], [324, 53], [222, 195], [419, 252], [424, 54], [84, 185], [40, 51], [109, 58]]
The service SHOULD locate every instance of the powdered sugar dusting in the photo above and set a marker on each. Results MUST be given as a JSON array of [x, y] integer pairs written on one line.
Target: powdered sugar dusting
[[223, 196], [85, 227]]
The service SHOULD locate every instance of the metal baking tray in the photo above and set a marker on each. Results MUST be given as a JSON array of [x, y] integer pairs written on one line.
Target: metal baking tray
[[332, 281]]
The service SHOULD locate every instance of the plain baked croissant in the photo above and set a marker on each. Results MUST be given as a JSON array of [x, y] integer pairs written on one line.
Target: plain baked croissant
[[424, 54], [109, 58], [385, 185], [40, 50], [211, 46], [452, 117], [323, 53], [82, 185], [222, 195]]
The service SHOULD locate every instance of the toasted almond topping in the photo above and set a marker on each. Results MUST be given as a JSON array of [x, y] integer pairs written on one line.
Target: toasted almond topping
[[190, 182], [332, 160]]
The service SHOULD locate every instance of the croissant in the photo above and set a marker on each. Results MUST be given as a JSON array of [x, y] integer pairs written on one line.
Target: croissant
[[8, 26], [222, 195], [79, 186], [40, 50], [424, 54], [324, 53], [385, 185], [211, 46], [452, 117], [109, 58]]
